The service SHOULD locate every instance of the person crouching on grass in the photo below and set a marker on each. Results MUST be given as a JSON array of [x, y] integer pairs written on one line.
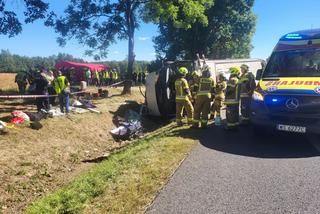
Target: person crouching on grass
[[62, 87]]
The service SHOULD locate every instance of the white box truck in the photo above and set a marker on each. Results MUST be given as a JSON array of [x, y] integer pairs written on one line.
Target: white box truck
[[160, 97]]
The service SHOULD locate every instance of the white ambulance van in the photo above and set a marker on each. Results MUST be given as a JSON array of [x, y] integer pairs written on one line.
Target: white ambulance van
[[287, 97]]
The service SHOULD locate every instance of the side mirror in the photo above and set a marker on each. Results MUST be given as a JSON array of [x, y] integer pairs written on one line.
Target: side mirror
[[259, 74]]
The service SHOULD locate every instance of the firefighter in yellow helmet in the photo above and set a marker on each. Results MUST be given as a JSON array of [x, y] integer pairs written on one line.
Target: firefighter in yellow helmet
[[203, 99], [247, 85], [232, 99], [218, 98], [183, 97]]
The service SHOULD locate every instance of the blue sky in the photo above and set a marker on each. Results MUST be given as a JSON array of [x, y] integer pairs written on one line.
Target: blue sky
[[275, 18]]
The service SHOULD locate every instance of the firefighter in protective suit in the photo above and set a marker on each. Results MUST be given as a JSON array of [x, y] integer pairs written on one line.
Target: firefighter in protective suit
[[219, 99], [203, 99], [193, 83], [183, 97], [232, 99], [247, 85]]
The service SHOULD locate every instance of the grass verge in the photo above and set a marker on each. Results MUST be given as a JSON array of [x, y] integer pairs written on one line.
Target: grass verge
[[124, 183], [8, 91]]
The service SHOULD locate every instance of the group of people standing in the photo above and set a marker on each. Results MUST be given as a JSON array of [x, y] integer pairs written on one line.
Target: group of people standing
[[103, 78], [50, 83], [139, 77], [197, 94], [45, 85]]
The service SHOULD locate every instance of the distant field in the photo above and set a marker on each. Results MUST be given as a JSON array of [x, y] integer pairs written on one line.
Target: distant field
[[7, 81]]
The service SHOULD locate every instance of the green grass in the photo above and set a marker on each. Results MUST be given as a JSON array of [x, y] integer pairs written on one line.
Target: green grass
[[124, 183]]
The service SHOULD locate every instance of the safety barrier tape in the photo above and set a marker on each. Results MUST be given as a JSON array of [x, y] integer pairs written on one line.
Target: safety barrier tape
[[42, 96], [33, 96], [116, 84]]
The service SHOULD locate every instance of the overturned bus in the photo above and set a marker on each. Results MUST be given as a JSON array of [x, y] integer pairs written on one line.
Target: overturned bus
[[160, 96]]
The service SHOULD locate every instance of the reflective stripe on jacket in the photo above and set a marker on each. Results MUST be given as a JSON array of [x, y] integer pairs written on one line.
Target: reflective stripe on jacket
[[113, 75], [106, 75], [97, 75], [206, 87], [247, 84], [231, 101], [194, 88], [232, 91], [220, 89], [181, 87]]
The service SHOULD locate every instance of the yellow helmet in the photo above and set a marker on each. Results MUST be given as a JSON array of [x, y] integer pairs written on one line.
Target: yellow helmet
[[234, 70], [183, 71]]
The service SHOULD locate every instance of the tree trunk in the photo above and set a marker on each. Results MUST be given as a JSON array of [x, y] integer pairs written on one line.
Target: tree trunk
[[127, 86], [131, 55], [131, 58]]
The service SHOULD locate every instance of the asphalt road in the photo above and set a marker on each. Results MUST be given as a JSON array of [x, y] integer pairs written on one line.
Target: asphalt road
[[236, 172]]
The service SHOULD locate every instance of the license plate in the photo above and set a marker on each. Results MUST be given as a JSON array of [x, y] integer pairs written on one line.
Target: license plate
[[288, 128]]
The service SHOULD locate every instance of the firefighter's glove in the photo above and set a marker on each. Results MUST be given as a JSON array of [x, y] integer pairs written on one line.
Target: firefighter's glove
[[187, 90]]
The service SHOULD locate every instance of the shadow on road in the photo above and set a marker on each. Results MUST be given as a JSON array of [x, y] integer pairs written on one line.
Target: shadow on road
[[244, 142]]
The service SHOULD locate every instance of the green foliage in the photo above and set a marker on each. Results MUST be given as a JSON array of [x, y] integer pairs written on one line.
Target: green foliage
[[122, 66], [182, 13], [228, 34], [98, 23], [14, 63], [155, 65], [11, 25]]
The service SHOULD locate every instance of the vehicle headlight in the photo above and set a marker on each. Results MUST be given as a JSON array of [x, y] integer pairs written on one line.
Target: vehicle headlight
[[257, 96]]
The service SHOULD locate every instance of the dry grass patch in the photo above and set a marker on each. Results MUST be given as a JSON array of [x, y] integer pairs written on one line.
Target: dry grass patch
[[34, 163], [7, 81], [125, 183]]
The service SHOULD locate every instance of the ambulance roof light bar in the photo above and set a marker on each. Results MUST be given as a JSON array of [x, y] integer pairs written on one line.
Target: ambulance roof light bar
[[293, 36]]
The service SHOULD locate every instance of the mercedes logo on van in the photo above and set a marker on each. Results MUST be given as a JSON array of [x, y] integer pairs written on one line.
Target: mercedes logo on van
[[292, 103]]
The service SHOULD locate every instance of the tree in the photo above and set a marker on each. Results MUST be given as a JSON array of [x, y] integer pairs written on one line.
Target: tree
[[13, 63], [228, 34], [33, 9], [6, 61], [99, 23]]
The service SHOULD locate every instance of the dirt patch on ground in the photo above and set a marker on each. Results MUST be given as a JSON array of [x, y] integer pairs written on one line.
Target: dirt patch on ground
[[33, 163]]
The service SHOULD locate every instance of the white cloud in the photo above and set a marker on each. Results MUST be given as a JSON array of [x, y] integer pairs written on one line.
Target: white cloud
[[141, 38], [116, 52]]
